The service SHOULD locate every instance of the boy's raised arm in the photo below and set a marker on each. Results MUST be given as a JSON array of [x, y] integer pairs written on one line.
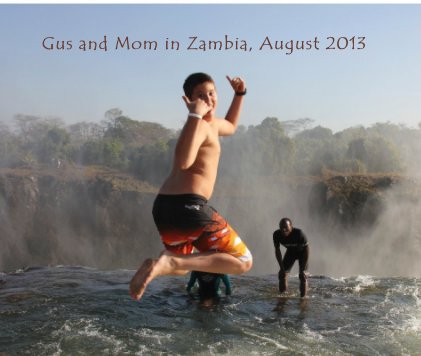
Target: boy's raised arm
[[192, 135], [229, 125]]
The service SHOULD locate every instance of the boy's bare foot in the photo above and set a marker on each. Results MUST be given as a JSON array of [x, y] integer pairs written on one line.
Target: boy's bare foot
[[148, 271], [141, 279]]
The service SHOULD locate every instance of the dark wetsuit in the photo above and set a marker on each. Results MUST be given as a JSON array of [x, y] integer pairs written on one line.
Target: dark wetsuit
[[297, 249], [209, 284]]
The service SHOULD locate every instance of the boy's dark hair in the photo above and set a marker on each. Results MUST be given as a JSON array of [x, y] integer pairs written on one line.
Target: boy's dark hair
[[193, 80]]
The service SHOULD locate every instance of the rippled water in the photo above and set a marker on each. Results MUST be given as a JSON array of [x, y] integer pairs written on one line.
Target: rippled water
[[77, 310]]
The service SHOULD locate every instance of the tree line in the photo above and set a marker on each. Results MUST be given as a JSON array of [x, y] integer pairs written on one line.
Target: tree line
[[273, 147]]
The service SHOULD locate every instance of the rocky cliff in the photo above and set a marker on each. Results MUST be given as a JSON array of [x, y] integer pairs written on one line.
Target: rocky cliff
[[75, 217], [103, 219]]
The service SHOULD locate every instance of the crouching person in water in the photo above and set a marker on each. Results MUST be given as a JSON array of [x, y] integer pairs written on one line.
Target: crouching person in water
[[297, 248], [181, 211], [209, 285]]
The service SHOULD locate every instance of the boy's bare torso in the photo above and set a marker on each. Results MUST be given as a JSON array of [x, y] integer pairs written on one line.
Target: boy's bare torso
[[201, 176]]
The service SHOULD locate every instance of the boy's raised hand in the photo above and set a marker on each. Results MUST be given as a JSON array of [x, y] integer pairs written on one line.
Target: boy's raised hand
[[237, 84], [198, 106]]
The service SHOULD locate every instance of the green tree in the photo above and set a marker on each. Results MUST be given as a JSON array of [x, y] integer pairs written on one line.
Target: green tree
[[152, 163], [9, 147], [293, 127], [383, 156], [261, 150], [33, 129], [52, 148], [91, 153], [317, 133], [357, 150], [112, 154], [82, 132], [134, 133], [317, 149]]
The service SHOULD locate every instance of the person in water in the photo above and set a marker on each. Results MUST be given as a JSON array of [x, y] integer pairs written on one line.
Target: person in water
[[209, 284], [297, 248], [181, 212]]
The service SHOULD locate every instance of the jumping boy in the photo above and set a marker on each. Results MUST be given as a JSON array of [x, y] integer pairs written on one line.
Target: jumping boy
[[181, 213]]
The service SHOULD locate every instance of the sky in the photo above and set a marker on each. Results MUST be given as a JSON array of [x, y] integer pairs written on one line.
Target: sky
[[371, 74]]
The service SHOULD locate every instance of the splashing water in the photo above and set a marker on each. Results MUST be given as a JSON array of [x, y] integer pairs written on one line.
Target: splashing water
[[78, 310]]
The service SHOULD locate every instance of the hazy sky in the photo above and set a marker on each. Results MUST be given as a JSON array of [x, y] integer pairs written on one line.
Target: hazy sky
[[336, 88]]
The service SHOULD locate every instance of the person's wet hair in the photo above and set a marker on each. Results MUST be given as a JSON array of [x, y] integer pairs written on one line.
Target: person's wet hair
[[284, 221], [194, 80]]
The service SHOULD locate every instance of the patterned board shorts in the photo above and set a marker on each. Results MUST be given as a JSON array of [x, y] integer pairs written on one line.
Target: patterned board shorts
[[186, 222]]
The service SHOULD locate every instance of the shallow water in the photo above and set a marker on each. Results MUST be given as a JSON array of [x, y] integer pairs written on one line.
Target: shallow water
[[78, 310]]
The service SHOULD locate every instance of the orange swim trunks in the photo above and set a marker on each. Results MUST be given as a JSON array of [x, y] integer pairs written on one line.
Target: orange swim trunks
[[186, 221]]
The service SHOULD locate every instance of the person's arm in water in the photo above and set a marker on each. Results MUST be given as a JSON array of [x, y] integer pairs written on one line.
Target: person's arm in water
[[228, 126], [227, 282], [192, 281], [278, 253]]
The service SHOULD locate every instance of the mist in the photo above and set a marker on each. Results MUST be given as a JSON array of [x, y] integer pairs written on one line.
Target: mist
[[380, 235], [83, 194], [388, 246]]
